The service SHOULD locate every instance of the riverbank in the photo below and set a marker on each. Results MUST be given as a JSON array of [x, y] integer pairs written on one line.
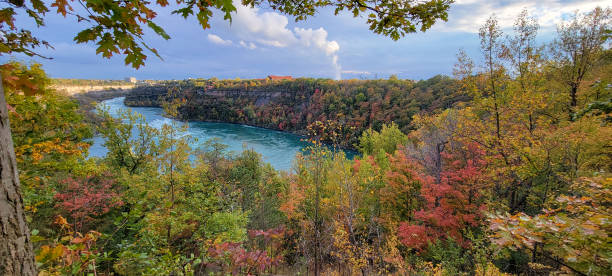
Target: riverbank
[[89, 100], [276, 147]]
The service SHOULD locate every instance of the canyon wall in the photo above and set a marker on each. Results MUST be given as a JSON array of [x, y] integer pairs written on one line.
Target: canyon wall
[[76, 89], [154, 95], [293, 106]]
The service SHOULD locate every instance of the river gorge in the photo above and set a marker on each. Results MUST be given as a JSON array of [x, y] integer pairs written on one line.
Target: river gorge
[[276, 147]]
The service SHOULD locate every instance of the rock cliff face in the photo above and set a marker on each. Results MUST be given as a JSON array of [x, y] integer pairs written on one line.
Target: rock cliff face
[[152, 96], [262, 106], [89, 100], [77, 89]]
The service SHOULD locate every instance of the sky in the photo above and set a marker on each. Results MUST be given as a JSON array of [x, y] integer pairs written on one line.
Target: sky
[[261, 42]]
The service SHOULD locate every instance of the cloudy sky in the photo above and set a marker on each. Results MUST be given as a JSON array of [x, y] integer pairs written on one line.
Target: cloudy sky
[[261, 42]]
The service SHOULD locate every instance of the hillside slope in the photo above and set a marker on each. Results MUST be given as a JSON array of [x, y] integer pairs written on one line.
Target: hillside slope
[[293, 105]]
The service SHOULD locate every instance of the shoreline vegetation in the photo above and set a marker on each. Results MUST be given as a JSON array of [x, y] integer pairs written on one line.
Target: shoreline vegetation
[[88, 101]]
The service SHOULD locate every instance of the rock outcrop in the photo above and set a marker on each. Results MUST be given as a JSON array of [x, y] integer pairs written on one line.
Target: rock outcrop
[[146, 96], [153, 95], [77, 89]]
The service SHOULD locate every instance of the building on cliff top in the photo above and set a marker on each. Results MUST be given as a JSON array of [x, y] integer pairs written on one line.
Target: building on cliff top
[[272, 77]]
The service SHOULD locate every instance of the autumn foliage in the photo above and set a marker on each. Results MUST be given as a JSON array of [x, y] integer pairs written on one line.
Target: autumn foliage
[[85, 199], [504, 169], [450, 207]]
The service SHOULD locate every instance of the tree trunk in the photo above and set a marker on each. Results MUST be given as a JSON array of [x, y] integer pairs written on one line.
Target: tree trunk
[[16, 254], [573, 101]]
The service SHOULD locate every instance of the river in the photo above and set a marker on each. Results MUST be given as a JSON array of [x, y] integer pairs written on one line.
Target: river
[[276, 147]]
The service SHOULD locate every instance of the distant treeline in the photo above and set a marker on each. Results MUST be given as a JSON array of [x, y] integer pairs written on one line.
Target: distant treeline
[[294, 105]]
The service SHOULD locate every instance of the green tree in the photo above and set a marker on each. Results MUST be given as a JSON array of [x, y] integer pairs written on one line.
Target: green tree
[[128, 139], [387, 140], [579, 47], [304, 202], [246, 174], [173, 205]]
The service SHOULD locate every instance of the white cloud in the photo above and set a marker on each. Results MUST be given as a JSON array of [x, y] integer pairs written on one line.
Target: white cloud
[[268, 28], [254, 27], [249, 45], [218, 40], [317, 39], [469, 15]]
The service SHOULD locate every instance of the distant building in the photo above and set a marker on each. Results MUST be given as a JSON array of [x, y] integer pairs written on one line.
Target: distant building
[[272, 77], [131, 79]]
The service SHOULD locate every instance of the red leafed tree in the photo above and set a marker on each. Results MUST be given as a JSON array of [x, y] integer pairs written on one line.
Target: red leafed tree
[[240, 261], [400, 197], [85, 198], [450, 206]]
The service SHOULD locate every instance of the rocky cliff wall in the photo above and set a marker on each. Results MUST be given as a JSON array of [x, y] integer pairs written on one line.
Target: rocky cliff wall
[[76, 89], [151, 95], [146, 96], [256, 106]]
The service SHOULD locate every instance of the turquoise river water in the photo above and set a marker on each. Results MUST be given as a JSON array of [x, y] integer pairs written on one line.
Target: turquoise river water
[[276, 147]]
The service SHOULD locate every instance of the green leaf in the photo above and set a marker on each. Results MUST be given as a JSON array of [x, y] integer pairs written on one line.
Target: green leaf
[[158, 30], [85, 35]]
